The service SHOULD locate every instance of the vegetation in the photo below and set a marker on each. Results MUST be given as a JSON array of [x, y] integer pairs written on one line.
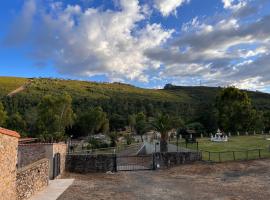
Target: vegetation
[[55, 114], [238, 144], [52, 109], [3, 115], [163, 124]]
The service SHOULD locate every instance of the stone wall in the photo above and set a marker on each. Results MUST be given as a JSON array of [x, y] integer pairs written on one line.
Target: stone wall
[[169, 159], [90, 163], [32, 179], [8, 160], [30, 153]]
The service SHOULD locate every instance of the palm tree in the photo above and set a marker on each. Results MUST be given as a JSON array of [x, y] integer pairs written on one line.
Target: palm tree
[[163, 124]]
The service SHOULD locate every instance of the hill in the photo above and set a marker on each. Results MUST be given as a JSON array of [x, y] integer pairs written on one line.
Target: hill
[[117, 100]]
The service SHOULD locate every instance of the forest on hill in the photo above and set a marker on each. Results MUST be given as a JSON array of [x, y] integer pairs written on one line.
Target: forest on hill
[[116, 103]]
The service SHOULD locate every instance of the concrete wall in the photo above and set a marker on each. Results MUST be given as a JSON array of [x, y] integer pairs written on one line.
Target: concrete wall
[[29, 153], [62, 149], [170, 159], [90, 163], [8, 160], [32, 179]]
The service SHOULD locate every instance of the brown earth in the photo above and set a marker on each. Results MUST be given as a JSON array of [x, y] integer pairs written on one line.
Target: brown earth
[[226, 181]]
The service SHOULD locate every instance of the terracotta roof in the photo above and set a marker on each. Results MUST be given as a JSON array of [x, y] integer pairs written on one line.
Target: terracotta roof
[[9, 132]]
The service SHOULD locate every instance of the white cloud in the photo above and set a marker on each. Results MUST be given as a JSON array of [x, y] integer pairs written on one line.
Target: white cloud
[[234, 4], [95, 42], [228, 51], [167, 7]]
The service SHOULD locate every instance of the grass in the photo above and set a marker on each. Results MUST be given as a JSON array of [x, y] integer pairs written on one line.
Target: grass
[[8, 84], [237, 148]]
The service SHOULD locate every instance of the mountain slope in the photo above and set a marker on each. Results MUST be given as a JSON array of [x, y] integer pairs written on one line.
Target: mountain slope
[[117, 98]]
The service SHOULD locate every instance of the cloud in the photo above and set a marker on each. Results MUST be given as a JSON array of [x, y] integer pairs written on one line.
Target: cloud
[[88, 42], [225, 52], [234, 4], [167, 7]]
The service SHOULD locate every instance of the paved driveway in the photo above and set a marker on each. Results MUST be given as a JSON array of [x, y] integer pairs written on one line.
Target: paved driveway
[[230, 181]]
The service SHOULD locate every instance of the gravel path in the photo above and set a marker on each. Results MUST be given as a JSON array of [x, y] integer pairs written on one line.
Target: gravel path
[[227, 181]]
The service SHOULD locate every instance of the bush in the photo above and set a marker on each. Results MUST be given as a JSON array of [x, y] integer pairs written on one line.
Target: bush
[[97, 144]]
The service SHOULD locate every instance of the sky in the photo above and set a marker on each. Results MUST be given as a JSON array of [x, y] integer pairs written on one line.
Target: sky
[[148, 43]]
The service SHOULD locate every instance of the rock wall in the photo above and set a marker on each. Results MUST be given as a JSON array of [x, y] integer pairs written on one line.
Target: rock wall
[[169, 159], [8, 160], [30, 153], [90, 163], [32, 179]]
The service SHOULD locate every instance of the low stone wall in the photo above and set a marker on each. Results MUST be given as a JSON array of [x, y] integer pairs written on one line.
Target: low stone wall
[[90, 163], [169, 159], [32, 178]]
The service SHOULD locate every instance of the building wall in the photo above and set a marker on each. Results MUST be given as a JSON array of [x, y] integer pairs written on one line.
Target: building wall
[[32, 179], [30, 153], [62, 149], [8, 160]]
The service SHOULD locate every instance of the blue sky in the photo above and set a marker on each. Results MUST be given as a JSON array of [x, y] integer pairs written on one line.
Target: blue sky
[[144, 42]]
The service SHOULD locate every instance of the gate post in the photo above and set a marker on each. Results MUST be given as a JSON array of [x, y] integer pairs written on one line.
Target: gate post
[[154, 161], [115, 162]]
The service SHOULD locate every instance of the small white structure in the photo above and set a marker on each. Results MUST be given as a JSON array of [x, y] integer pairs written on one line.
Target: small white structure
[[219, 137]]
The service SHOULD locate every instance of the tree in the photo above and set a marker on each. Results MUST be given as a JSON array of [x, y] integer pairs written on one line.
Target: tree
[[93, 121], [234, 110], [196, 126], [163, 124], [117, 122], [16, 122], [132, 122], [113, 137], [266, 119], [3, 115], [55, 114], [207, 115], [141, 126]]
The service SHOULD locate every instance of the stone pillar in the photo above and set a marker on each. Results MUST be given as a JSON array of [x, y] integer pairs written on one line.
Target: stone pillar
[[8, 161]]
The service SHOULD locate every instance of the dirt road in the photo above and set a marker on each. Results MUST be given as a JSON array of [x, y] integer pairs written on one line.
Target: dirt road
[[229, 181]]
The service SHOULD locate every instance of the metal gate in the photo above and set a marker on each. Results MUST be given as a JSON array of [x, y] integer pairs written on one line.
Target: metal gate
[[134, 163], [56, 165]]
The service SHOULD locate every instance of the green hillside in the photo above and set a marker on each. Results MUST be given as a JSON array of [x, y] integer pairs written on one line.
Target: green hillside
[[8, 84], [116, 99]]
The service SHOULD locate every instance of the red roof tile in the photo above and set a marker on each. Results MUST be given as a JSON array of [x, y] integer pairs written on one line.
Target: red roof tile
[[9, 132]]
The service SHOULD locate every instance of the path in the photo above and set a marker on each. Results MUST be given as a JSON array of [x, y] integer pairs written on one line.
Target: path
[[20, 89], [54, 190]]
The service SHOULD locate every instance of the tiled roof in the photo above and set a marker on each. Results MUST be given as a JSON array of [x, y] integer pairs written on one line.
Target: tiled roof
[[9, 132]]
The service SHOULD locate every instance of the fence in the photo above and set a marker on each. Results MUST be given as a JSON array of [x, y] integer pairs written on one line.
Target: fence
[[223, 156], [110, 150]]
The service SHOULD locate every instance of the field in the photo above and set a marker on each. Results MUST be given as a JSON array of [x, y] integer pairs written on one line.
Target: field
[[237, 148]]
